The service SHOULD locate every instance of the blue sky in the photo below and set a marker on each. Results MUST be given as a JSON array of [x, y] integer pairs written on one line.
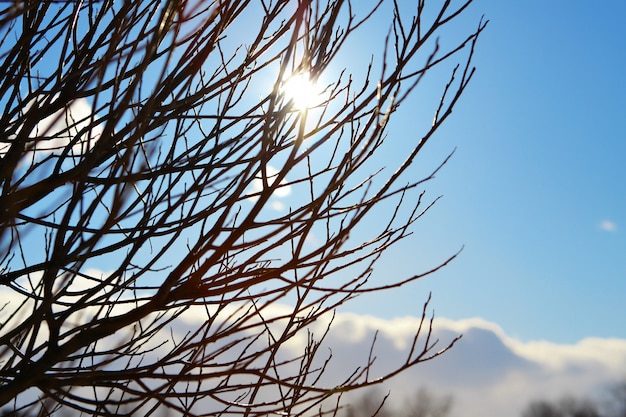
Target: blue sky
[[536, 189]]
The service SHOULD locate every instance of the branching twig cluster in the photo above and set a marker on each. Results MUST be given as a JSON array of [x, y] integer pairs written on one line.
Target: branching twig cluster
[[143, 144]]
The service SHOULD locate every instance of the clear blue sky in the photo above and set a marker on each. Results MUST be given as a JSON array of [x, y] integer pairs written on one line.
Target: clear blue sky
[[540, 165]]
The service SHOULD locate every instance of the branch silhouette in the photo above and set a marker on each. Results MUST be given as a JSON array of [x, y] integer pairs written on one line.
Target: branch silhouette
[[143, 265]]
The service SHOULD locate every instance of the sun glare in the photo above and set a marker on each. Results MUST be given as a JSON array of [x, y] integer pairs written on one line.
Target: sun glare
[[302, 90]]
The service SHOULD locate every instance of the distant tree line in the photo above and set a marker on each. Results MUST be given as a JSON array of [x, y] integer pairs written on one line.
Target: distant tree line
[[426, 404], [568, 406], [423, 404]]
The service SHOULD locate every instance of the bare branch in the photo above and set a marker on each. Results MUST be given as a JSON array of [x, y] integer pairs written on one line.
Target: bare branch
[[172, 224]]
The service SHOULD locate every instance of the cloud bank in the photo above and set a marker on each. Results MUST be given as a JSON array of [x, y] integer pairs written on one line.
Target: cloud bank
[[488, 373]]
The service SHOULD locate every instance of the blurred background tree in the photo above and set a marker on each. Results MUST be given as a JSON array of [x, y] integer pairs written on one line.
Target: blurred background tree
[[566, 407], [422, 404], [612, 405]]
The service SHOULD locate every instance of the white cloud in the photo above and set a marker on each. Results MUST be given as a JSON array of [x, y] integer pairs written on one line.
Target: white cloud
[[487, 373], [63, 126], [283, 189], [608, 226], [278, 206], [57, 130]]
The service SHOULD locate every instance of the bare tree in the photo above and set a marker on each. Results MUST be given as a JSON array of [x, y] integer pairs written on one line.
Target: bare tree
[[144, 143]]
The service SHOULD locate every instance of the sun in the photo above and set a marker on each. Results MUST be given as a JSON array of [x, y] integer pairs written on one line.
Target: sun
[[302, 90]]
